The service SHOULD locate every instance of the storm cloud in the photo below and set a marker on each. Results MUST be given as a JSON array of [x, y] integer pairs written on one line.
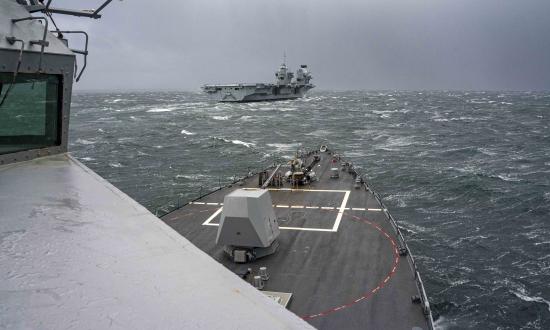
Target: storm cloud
[[401, 44]]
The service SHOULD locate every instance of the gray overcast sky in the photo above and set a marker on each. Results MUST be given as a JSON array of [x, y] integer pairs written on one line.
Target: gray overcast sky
[[379, 44]]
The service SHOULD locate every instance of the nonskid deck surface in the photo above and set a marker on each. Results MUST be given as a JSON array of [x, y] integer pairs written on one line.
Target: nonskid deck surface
[[337, 256]]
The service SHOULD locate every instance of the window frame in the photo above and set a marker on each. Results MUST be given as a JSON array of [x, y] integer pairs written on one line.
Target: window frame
[[58, 135]]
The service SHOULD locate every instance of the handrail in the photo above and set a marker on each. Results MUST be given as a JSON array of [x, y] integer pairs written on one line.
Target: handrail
[[172, 206], [84, 52], [43, 43], [266, 183]]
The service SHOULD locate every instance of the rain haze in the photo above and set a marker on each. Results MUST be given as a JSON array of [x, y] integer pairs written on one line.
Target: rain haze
[[405, 45]]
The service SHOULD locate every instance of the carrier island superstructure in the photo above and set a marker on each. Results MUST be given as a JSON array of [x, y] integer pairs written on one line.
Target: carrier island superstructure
[[284, 88]]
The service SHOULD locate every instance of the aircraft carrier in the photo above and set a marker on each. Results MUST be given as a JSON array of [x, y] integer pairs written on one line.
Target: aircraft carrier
[[284, 88], [339, 260]]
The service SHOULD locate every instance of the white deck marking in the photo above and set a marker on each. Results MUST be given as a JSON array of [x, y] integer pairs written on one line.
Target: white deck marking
[[341, 212], [377, 210], [358, 209], [284, 228], [308, 190], [207, 222], [334, 228]]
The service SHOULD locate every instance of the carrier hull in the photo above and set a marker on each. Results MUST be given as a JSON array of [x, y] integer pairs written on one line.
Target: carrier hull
[[255, 92]]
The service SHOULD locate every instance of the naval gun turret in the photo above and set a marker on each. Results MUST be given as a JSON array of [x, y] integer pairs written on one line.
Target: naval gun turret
[[248, 227]]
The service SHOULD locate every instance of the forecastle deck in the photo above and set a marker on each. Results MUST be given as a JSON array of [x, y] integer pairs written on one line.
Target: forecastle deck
[[341, 254]]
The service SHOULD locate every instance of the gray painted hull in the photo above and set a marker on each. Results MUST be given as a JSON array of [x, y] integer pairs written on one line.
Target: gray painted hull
[[255, 92]]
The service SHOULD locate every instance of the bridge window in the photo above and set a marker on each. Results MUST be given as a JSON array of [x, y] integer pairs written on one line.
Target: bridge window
[[30, 117]]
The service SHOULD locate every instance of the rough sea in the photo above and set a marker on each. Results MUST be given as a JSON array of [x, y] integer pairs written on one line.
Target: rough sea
[[466, 174]]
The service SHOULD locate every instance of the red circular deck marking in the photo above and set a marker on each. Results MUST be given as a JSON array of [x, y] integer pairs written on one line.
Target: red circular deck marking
[[366, 295], [379, 286]]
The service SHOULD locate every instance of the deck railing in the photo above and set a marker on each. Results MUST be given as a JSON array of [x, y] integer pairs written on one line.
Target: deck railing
[[403, 247], [205, 190]]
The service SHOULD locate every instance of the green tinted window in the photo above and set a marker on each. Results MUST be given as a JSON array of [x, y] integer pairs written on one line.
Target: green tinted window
[[31, 113]]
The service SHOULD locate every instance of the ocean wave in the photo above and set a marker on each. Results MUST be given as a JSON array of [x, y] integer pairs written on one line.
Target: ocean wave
[[320, 133], [237, 142], [161, 110], [442, 323], [245, 118], [83, 141], [522, 294], [186, 132], [505, 177], [246, 144], [191, 176], [116, 164], [220, 117], [282, 147]]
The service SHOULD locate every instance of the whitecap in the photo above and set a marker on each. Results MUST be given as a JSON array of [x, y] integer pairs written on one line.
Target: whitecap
[[190, 177], [285, 147], [161, 110], [116, 164], [186, 132], [220, 117], [506, 177], [246, 144], [521, 294], [83, 141], [486, 151], [441, 323], [87, 159]]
